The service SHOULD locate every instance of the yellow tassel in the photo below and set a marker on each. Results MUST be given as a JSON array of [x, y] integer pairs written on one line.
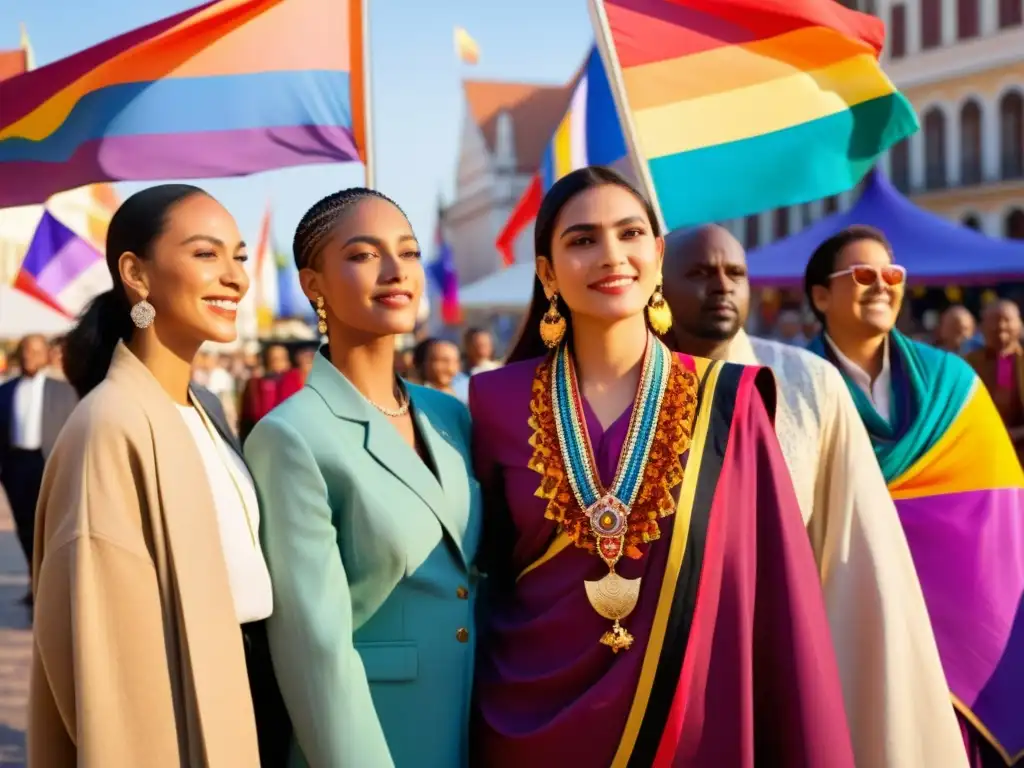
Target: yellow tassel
[[658, 313]]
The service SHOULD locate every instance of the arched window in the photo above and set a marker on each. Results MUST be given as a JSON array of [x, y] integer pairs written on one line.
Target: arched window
[[1011, 134], [752, 231], [898, 30], [972, 222], [966, 19], [780, 223], [935, 148], [899, 165], [970, 143], [1011, 13], [832, 204], [1014, 226]]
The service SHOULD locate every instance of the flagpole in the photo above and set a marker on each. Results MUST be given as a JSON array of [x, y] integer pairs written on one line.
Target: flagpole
[[606, 46], [370, 165]]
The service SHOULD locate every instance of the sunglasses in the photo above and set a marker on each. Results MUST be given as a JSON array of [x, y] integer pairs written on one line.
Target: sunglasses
[[868, 275]]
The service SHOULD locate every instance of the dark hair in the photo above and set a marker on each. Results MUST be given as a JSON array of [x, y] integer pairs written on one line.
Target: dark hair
[[529, 343], [318, 221], [823, 261], [420, 353], [139, 221]]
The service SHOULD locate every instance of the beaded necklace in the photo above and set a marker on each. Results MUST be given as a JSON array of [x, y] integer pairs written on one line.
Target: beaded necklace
[[608, 510]]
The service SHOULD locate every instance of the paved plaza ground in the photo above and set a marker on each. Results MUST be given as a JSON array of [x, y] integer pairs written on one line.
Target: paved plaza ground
[[15, 642]]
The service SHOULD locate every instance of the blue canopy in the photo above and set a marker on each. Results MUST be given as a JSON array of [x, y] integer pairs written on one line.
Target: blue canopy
[[934, 251]]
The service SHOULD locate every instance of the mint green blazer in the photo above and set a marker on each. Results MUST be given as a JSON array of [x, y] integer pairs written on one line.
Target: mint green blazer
[[371, 558]]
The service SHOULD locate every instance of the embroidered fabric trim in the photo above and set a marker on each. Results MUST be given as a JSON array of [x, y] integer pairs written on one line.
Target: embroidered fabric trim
[[663, 473]]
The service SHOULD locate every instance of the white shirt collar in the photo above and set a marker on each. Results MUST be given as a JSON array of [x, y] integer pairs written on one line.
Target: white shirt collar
[[877, 391]]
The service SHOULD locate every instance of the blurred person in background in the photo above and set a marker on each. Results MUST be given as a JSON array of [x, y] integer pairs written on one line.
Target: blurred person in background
[[149, 580], [478, 346], [1000, 365], [268, 389], [55, 367], [405, 365], [5, 368], [438, 365], [790, 328], [209, 372], [34, 407], [956, 331], [951, 469], [304, 358]]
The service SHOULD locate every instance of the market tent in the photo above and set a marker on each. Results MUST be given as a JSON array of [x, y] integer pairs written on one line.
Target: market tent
[[935, 251], [20, 315], [507, 290]]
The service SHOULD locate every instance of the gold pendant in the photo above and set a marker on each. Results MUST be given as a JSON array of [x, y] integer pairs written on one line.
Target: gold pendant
[[614, 597]]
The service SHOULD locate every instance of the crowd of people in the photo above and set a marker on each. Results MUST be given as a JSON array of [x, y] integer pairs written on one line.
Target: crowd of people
[[642, 538]]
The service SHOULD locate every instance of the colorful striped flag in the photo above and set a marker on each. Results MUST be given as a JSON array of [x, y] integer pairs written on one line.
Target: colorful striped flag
[[291, 301], [230, 88], [466, 47], [442, 271], [61, 269], [738, 106], [588, 134]]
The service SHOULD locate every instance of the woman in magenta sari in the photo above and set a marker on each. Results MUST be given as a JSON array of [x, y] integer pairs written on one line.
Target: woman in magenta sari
[[652, 599]]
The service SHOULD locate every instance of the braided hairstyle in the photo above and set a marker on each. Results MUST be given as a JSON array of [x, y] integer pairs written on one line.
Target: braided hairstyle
[[319, 220]]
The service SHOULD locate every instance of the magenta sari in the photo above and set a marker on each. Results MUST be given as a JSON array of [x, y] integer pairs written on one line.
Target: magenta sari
[[732, 665]]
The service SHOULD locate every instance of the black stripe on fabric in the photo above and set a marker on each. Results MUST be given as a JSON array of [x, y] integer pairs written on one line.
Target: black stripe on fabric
[[680, 620]]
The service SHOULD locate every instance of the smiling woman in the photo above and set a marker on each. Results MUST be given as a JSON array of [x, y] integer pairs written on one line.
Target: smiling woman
[[372, 517], [143, 575]]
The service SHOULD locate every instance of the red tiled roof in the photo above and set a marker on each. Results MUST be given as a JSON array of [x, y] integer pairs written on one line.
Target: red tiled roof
[[535, 111]]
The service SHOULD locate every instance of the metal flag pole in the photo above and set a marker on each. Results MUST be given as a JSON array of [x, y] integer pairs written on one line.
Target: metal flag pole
[[370, 165]]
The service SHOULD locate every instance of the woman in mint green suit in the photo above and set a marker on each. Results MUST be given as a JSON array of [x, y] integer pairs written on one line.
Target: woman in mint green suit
[[370, 517]]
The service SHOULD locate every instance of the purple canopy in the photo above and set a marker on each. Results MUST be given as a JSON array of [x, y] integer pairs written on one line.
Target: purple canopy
[[934, 251]]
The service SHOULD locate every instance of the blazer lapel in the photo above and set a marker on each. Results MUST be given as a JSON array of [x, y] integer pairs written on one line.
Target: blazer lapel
[[451, 470], [384, 443]]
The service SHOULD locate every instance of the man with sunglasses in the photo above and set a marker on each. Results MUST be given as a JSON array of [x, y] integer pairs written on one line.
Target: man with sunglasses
[[893, 683], [950, 467]]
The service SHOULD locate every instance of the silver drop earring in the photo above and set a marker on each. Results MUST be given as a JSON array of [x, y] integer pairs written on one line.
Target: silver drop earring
[[143, 314]]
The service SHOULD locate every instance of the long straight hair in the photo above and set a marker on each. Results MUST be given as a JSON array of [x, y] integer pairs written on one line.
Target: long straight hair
[[529, 343]]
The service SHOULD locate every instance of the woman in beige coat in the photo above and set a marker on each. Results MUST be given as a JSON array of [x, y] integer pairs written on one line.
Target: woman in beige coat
[[146, 554]]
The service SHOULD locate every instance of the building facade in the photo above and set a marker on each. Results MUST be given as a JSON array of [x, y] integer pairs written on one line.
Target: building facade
[[961, 65], [504, 134]]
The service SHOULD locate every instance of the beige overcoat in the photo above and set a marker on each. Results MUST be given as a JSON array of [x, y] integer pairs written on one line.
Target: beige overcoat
[[137, 656]]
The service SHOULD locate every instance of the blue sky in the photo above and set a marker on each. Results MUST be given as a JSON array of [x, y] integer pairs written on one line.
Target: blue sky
[[418, 104]]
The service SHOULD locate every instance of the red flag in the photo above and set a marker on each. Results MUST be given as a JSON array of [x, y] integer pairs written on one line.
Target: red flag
[[524, 212]]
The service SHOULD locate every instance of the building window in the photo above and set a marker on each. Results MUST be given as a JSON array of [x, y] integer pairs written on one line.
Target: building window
[[970, 143], [831, 205], [899, 166], [806, 215], [1011, 13], [780, 223], [752, 231], [1014, 227], [966, 19], [972, 222], [935, 148], [931, 23], [1011, 134], [898, 31]]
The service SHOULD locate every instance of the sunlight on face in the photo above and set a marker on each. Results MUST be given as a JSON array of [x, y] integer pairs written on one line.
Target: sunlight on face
[[197, 277], [869, 309], [605, 259], [369, 271]]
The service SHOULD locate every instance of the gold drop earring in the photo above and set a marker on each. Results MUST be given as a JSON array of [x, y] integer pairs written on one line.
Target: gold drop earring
[[321, 315], [552, 325], [659, 315]]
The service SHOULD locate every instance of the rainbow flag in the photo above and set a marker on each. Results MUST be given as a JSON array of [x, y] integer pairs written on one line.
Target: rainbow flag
[[588, 134], [739, 106], [230, 88], [959, 492]]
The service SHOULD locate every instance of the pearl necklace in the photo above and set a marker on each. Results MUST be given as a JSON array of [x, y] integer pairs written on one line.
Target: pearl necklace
[[395, 413]]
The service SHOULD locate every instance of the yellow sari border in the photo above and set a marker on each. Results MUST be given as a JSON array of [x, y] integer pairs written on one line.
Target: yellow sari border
[[677, 549]]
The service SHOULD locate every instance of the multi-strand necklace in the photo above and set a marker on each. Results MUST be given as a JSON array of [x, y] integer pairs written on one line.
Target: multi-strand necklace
[[608, 510]]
